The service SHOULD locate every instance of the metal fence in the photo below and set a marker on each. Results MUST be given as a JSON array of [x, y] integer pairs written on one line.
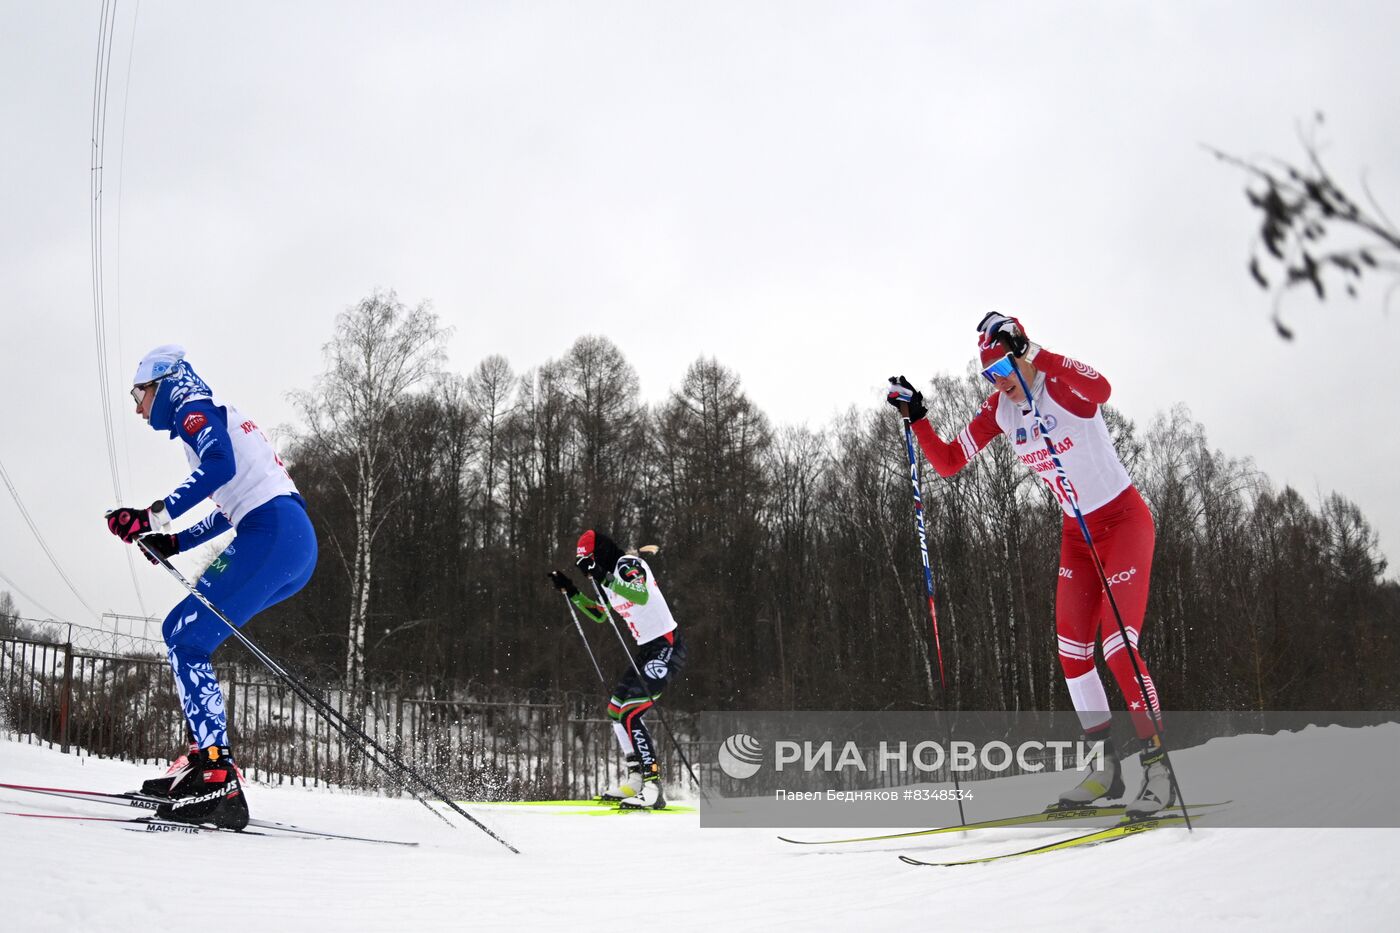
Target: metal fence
[[477, 744]]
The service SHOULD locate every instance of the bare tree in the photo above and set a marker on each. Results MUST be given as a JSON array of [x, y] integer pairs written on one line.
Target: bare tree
[[1311, 230], [604, 413], [380, 352], [9, 613], [490, 390], [791, 559]]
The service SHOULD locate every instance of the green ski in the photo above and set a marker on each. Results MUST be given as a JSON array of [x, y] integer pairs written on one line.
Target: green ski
[[1029, 819], [1112, 834]]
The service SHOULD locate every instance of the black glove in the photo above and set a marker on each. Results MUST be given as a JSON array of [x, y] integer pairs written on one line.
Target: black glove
[[130, 524], [1007, 330], [588, 565], [166, 546], [562, 583], [902, 393]]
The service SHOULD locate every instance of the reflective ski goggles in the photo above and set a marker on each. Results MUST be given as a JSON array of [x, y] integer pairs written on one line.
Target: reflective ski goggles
[[1001, 369], [138, 392]]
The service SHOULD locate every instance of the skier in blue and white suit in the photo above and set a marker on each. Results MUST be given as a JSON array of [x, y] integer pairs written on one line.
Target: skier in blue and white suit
[[272, 556]]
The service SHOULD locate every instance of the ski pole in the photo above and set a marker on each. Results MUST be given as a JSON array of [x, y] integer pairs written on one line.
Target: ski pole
[[573, 611], [1073, 498], [319, 703], [928, 585], [607, 607]]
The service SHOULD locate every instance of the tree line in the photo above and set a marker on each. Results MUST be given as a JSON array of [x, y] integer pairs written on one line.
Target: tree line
[[788, 553]]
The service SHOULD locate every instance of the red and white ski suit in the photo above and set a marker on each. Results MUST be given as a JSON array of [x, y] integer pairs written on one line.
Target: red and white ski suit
[[1068, 394]]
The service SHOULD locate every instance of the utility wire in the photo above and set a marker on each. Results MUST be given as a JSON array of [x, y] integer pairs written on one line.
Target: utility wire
[[121, 345], [15, 586], [42, 543], [100, 80], [101, 83]]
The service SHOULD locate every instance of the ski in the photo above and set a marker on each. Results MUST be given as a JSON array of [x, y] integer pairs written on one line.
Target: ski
[[1029, 819], [155, 824], [594, 807], [1122, 830], [144, 802], [127, 799], [676, 809], [321, 834], [149, 824]]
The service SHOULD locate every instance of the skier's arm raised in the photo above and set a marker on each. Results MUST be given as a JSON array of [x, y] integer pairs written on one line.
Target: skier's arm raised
[[946, 457], [1070, 382], [1075, 385]]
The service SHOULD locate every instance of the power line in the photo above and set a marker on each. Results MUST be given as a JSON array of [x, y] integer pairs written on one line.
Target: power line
[[100, 80], [121, 345], [15, 586], [24, 513], [101, 83]]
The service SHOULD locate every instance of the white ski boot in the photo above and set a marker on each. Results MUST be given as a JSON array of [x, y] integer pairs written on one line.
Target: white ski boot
[[629, 786], [1157, 791], [650, 798], [1105, 782]]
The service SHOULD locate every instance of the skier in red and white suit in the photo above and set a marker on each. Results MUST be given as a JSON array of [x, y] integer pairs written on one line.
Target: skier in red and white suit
[[1068, 394]]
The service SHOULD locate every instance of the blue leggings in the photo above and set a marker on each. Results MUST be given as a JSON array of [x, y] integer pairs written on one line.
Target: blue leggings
[[271, 558]]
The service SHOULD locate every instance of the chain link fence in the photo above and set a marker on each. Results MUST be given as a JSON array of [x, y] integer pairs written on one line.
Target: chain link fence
[[111, 694]]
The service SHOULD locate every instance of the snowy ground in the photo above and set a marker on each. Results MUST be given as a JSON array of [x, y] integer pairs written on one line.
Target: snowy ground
[[648, 871]]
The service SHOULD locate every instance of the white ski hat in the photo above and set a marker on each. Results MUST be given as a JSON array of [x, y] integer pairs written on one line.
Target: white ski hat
[[158, 363]]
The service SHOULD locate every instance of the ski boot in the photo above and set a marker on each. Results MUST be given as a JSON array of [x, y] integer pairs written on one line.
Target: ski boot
[[212, 792], [178, 771], [650, 797], [1157, 791], [1105, 782], [629, 786]]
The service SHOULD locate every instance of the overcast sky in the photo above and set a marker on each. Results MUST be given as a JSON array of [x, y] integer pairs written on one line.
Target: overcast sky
[[817, 194]]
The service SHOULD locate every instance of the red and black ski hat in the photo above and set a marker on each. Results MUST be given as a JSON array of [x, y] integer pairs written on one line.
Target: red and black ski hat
[[990, 349], [604, 550]]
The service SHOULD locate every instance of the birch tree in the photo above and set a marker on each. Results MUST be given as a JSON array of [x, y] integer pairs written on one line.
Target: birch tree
[[381, 351]]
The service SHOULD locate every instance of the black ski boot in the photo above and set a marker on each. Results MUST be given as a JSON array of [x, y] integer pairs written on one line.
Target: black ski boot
[[211, 793], [178, 771]]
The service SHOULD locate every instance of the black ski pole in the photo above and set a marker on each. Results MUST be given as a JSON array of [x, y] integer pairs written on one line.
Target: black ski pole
[[928, 589], [319, 703], [607, 607], [1073, 498]]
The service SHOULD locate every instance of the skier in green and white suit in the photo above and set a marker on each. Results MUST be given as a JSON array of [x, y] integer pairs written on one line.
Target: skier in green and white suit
[[632, 590]]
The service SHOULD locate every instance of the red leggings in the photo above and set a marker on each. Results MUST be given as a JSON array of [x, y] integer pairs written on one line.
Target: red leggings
[[1123, 535]]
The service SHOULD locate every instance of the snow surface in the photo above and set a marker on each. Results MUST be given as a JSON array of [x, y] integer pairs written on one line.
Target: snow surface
[[650, 871]]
